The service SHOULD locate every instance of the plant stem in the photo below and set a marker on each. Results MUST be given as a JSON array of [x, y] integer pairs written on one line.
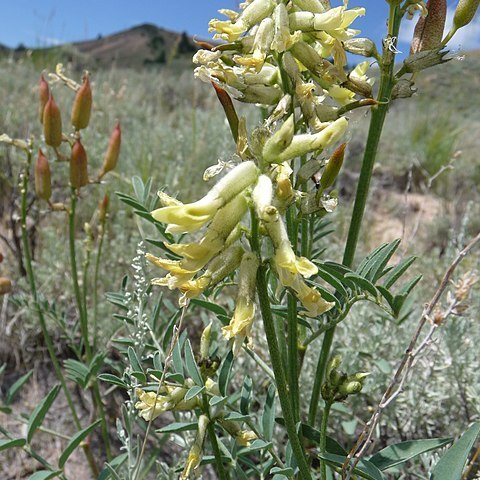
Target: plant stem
[[376, 125], [222, 473], [43, 326], [95, 284], [76, 288], [292, 325], [277, 366], [323, 438]]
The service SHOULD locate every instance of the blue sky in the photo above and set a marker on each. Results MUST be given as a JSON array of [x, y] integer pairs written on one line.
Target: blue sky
[[39, 23]]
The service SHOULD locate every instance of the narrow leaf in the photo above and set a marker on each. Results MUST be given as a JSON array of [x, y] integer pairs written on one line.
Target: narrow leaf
[[403, 451], [191, 364], [108, 377], [44, 475], [213, 307], [332, 280], [17, 442], [193, 392], [396, 272], [246, 395], [13, 390], [225, 373], [375, 270], [451, 465], [178, 427], [75, 442], [38, 415], [134, 361], [365, 469], [268, 416], [362, 283]]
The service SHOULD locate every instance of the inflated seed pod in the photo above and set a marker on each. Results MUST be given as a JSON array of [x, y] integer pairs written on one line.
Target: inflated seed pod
[[43, 95], [103, 208], [113, 151], [429, 30], [43, 182], [52, 123], [82, 105], [78, 166]]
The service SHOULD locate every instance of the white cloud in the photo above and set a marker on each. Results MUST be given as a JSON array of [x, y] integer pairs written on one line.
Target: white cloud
[[467, 38]]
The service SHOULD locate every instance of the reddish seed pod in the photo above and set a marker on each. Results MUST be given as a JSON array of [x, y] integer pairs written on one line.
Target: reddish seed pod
[[52, 123], [43, 181], [82, 105], [78, 166], [113, 151], [333, 167], [228, 108], [44, 95], [429, 30], [1, 257], [103, 208]]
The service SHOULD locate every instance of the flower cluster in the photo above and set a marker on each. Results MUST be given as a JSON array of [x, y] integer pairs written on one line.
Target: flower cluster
[[291, 57]]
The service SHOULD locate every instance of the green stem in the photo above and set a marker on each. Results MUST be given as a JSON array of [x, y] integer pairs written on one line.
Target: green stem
[[376, 125], [97, 398], [76, 288], [292, 325], [323, 438], [95, 284], [43, 326], [277, 366], [222, 473]]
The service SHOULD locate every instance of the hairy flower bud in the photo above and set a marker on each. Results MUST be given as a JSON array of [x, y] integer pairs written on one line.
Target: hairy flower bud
[[333, 167], [279, 141], [52, 123], [113, 151], [78, 166], [429, 30], [82, 105], [43, 182], [43, 94]]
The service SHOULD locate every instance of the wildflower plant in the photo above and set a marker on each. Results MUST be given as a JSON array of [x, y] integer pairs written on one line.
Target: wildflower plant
[[43, 183], [257, 229], [242, 295]]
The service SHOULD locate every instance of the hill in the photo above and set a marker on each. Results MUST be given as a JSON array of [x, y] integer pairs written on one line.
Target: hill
[[137, 47]]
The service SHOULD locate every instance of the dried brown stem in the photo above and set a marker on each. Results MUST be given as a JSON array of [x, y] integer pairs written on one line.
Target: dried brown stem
[[396, 385]]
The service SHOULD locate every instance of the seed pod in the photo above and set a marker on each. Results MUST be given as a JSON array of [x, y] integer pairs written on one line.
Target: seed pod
[[465, 12], [333, 167], [43, 95], [1, 257], [43, 182], [52, 123], [103, 208], [82, 105], [78, 166], [113, 151], [429, 30], [5, 285], [228, 108]]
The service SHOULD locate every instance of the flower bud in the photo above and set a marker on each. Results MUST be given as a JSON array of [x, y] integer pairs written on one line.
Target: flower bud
[[195, 454], [465, 12], [43, 182], [360, 46], [429, 30], [43, 94], [205, 340], [279, 141], [78, 166], [350, 388], [113, 151], [5, 285], [52, 123], [82, 105], [333, 167]]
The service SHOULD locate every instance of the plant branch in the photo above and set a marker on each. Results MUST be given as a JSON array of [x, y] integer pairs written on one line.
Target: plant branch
[[395, 387]]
